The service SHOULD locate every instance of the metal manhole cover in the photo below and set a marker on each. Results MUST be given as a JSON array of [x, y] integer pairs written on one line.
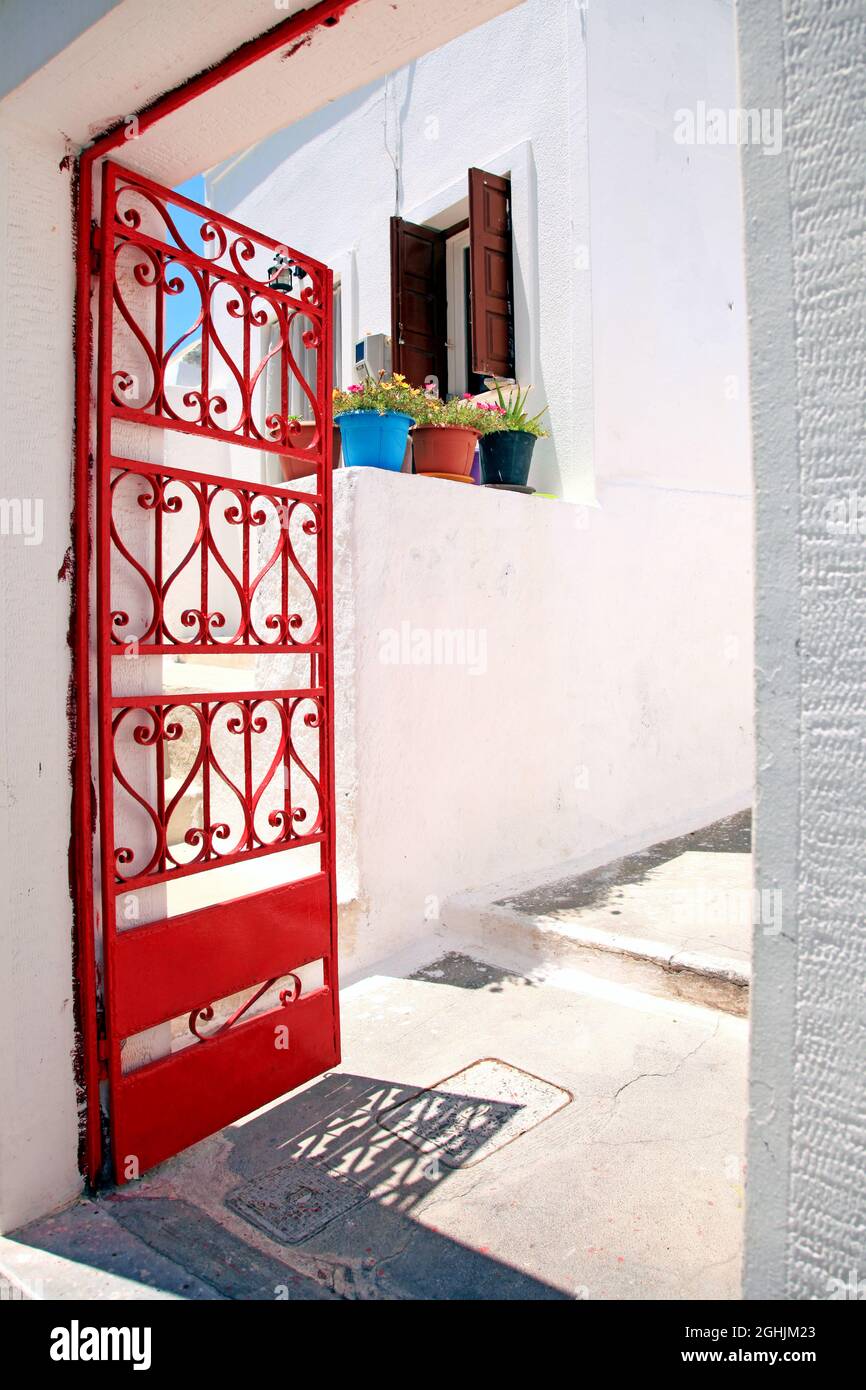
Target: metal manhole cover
[[471, 1114], [295, 1200]]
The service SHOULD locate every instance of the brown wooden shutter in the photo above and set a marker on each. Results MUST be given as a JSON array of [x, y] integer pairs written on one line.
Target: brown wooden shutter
[[418, 303], [491, 274]]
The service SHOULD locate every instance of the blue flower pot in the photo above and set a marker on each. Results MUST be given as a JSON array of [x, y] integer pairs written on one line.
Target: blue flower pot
[[371, 440]]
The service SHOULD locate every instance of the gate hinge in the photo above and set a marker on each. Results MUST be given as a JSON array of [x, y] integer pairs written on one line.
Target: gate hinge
[[95, 247]]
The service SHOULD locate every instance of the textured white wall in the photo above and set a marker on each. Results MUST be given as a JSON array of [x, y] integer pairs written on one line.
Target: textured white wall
[[806, 1194], [38, 1117], [605, 702]]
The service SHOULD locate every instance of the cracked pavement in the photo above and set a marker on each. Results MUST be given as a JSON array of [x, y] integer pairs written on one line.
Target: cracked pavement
[[632, 1190]]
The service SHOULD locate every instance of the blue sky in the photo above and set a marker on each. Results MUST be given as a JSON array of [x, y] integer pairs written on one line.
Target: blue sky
[[182, 309]]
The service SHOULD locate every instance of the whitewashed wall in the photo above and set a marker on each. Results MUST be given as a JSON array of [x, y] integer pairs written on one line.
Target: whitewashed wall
[[628, 642], [630, 313], [806, 1191], [597, 699], [38, 1110], [670, 366]]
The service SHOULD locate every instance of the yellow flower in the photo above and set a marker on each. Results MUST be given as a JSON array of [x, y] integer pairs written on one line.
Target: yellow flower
[[398, 377], [386, 386]]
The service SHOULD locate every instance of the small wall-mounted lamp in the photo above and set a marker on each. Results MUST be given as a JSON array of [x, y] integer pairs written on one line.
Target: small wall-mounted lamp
[[281, 273]]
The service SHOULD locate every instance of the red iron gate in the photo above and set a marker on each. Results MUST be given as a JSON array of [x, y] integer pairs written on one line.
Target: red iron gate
[[212, 1004]]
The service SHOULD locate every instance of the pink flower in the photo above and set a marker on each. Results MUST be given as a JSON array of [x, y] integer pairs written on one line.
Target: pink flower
[[467, 395], [355, 389]]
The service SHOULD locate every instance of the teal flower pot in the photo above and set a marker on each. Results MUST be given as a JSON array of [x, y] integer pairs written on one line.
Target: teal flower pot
[[371, 440], [506, 456]]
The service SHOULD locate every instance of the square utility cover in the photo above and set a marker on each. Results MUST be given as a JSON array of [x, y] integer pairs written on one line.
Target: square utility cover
[[295, 1200], [471, 1114]]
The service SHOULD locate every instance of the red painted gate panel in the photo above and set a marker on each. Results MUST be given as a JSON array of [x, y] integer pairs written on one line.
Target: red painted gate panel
[[215, 1001]]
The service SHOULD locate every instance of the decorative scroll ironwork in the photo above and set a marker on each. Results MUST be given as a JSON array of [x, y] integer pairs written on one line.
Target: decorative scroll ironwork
[[228, 564], [249, 757], [227, 273], [206, 1012], [211, 565]]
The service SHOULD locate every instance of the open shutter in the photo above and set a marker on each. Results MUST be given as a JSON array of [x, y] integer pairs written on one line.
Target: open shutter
[[491, 274], [418, 304]]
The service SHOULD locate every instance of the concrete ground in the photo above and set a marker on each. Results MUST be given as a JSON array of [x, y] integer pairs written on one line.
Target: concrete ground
[[682, 909], [501, 1128]]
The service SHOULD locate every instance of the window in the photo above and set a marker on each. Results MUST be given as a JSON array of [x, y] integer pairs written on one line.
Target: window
[[452, 299], [458, 286]]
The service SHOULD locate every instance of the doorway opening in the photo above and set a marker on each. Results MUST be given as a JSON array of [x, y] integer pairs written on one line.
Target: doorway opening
[[406, 1117]]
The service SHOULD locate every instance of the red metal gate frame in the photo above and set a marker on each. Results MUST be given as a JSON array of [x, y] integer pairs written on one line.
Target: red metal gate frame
[[296, 26], [180, 966]]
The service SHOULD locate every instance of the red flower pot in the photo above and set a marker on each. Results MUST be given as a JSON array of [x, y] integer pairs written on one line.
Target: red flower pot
[[302, 438], [444, 448]]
